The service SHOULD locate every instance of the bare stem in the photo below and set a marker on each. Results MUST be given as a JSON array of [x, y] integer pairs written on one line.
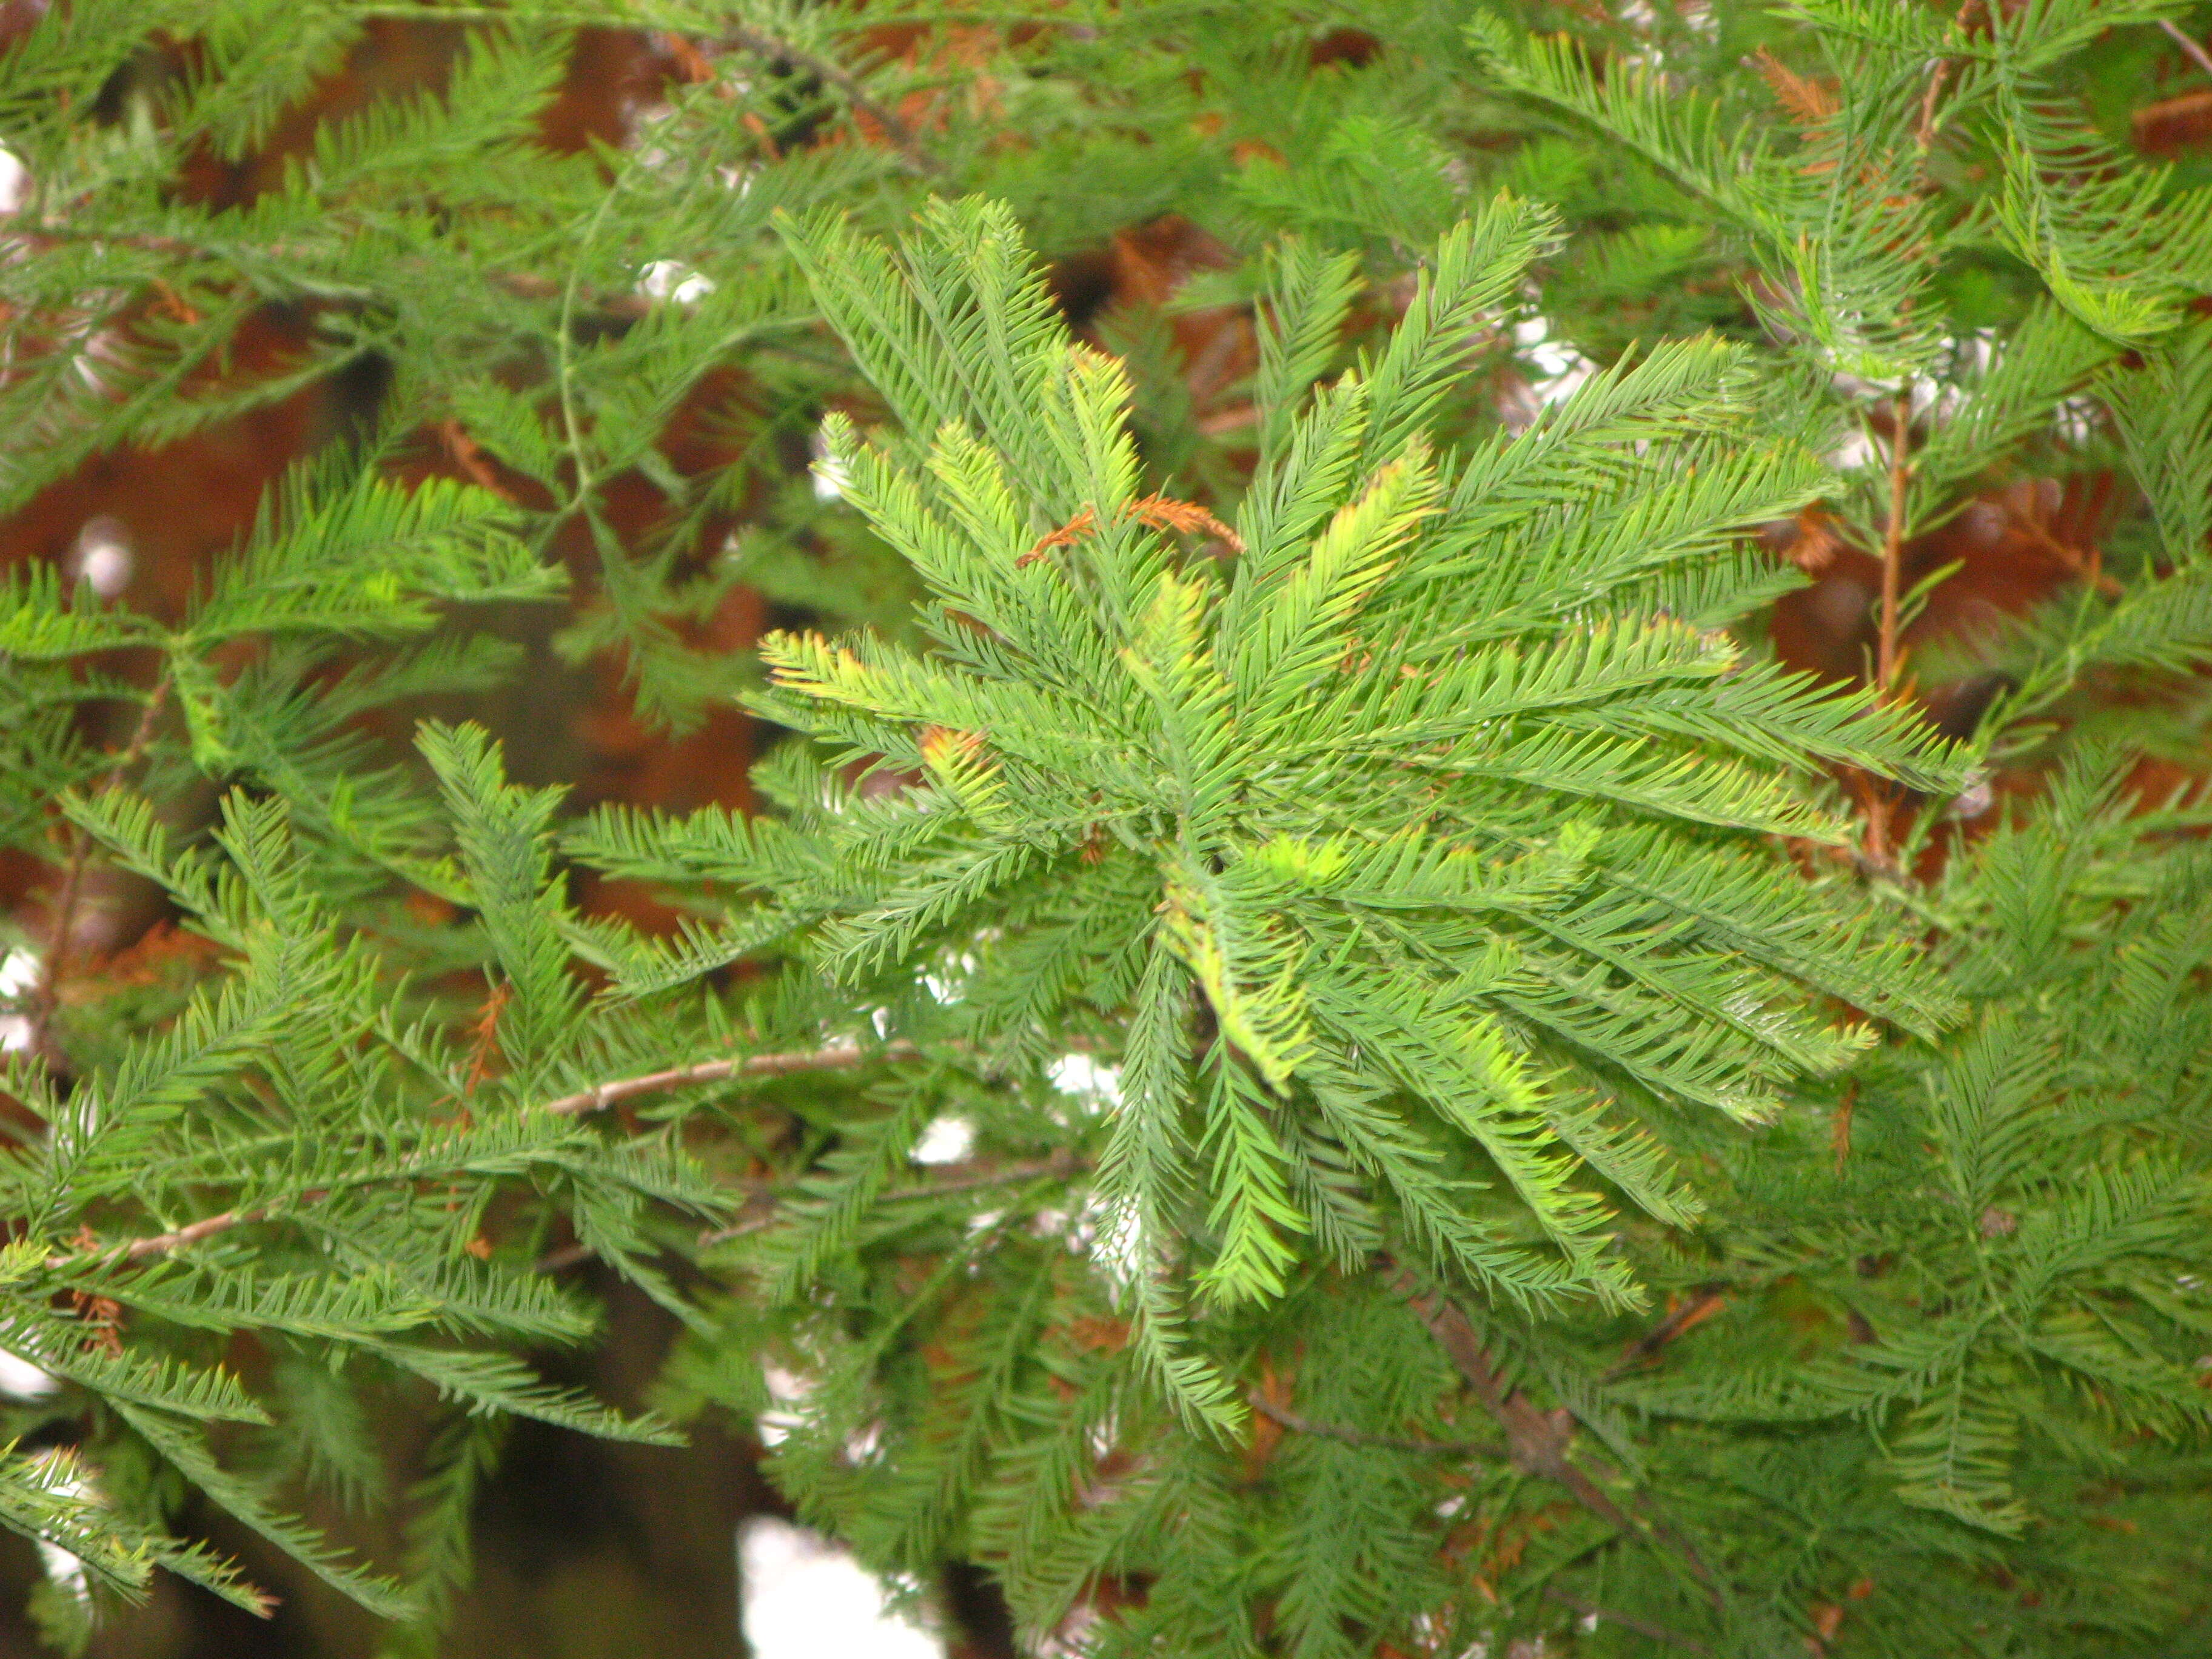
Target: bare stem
[[1699, 1307], [973, 1178], [1924, 138], [2197, 53], [600, 1095], [140, 1249], [1892, 541], [1888, 656], [1536, 1441], [1643, 1627], [1299, 1425]]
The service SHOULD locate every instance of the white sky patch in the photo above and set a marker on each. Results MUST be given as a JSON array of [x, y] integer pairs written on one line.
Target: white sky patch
[[666, 279], [1563, 367], [1085, 1079], [63, 1569], [18, 972], [23, 1380], [1072, 1638], [788, 1389], [102, 555], [1110, 1238], [946, 1140], [1859, 450], [2078, 419], [830, 478], [948, 981], [807, 1598]]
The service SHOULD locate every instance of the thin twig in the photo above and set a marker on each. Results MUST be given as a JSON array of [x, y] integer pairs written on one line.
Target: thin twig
[[971, 1180], [1003, 1174], [1625, 1621], [45, 998], [1925, 136], [2090, 569], [141, 1250], [567, 1256], [138, 1249], [1297, 1425], [903, 138], [1893, 542], [1536, 1441], [2197, 55], [1887, 657], [1707, 1302], [600, 1095]]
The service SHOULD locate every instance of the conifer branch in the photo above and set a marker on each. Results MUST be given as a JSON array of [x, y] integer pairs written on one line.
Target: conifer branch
[[45, 997], [151, 1245], [524, 285], [597, 1098], [1443, 828], [761, 44]]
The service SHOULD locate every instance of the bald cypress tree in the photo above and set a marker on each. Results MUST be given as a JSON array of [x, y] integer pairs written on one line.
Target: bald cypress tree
[[1483, 917]]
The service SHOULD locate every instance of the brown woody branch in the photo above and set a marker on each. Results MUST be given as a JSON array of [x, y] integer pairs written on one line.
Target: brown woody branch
[[1628, 1621], [600, 1095], [2197, 55], [1709, 1301], [1536, 1441], [1297, 1425], [1893, 542], [972, 1178], [1880, 803]]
